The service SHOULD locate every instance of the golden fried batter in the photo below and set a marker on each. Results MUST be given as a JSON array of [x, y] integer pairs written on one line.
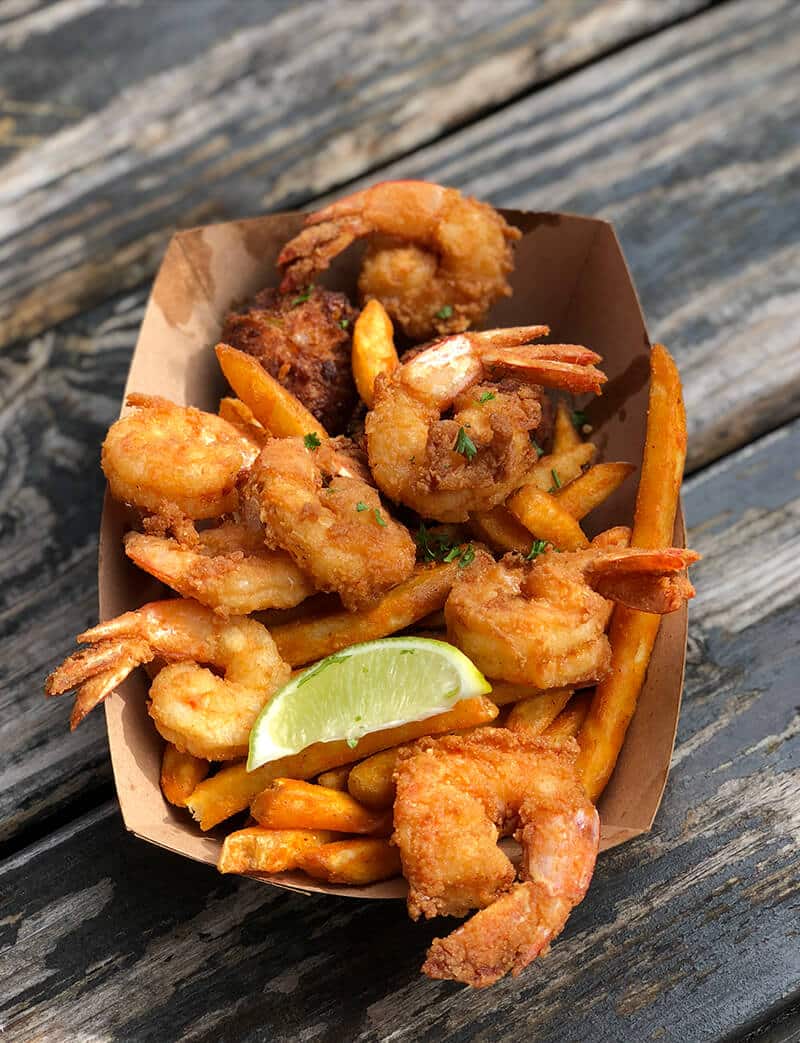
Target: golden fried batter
[[303, 340]]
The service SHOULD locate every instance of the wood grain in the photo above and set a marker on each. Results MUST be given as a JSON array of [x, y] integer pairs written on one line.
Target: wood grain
[[119, 123], [689, 142], [687, 933]]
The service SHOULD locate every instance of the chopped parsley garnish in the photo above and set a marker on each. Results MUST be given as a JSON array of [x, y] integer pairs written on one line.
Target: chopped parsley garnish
[[467, 556], [578, 418], [303, 297], [351, 742], [361, 506], [465, 445], [452, 554], [556, 479], [487, 396], [445, 312], [537, 547], [536, 446], [311, 441], [344, 323], [378, 518]]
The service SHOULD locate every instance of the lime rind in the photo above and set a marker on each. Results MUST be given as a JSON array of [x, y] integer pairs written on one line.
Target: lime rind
[[362, 689]]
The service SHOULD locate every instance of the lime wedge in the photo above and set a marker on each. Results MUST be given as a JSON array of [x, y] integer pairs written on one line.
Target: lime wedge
[[363, 689]]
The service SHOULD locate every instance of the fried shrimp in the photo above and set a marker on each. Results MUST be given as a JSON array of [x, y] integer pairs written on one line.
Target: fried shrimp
[[229, 569], [164, 457], [196, 710], [447, 467], [455, 796], [543, 622], [437, 260], [314, 503]]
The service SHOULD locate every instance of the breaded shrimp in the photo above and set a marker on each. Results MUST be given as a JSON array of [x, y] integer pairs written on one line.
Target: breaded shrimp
[[437, 260], [313, 504], [455, 796], [448, 467], [543, 622], [229, 569], [164, 457], [196, 710]]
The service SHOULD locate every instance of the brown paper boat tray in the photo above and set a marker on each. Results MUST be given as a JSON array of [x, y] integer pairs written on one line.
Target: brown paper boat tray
[[571, 274]]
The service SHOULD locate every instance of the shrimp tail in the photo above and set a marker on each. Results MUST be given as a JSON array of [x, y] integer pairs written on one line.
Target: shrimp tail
[[646, 580], [312, 251]]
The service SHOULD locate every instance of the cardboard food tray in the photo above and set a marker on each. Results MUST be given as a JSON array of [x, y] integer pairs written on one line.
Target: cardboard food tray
[[570, 274]]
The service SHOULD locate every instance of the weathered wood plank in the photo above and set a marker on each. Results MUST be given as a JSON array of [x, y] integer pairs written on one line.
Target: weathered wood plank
[[686, 933], [120, 122], [690, 143], [58, 394]]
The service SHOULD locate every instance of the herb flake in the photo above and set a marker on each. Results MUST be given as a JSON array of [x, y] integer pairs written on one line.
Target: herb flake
[[378, 518], [536, 446], [487, 396], [303, 297], [312, 441], [465, 445], [361, 506], [344, 323], [445, 312], [537, 548], [556, 479], [578, 417]]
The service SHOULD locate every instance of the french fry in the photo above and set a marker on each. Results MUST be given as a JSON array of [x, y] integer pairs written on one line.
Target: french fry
[[259, 850], [592, 488], [564, 434], [234, 787], [241, 416], [534, 715], [545, 518], [360, 860], [306, 640], [180, 774], [336, 778], [501, 530], [633, 634], [504, 693], [560, 468], [372, 783], [273, 405], [294, 804], [373, 349], [568, 723]]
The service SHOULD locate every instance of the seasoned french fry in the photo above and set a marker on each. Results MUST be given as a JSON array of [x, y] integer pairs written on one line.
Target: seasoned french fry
[[361, 860], [336, 778], [291, 803], [180, 774], [371, 782], [373, 349], [557, 469], [564, 434], [568, 723], [532, 716], [233, 787], [505, 692], [501, 530], [307, 640], [272, 404], [237, 413], [633, 634], [544, 517], [259, 850], [592, 488]]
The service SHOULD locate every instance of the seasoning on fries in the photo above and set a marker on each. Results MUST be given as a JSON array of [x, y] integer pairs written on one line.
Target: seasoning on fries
[[472, 658]]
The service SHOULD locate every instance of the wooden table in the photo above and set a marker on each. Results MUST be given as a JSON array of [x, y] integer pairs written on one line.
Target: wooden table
[[678, 120]]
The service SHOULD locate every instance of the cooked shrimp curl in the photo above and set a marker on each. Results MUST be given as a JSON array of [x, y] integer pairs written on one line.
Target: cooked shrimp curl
[[455, 796], [229, 569], [543, 622], [314, 503], [196, 710], [448, 467], [164, 457], [436, 260]]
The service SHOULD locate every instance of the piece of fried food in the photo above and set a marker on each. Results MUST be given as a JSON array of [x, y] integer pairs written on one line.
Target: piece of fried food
[[303, 341]]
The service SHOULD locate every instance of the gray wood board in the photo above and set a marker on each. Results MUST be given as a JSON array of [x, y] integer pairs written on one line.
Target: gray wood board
[[687, 933], [119, 122], [690, 143]]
